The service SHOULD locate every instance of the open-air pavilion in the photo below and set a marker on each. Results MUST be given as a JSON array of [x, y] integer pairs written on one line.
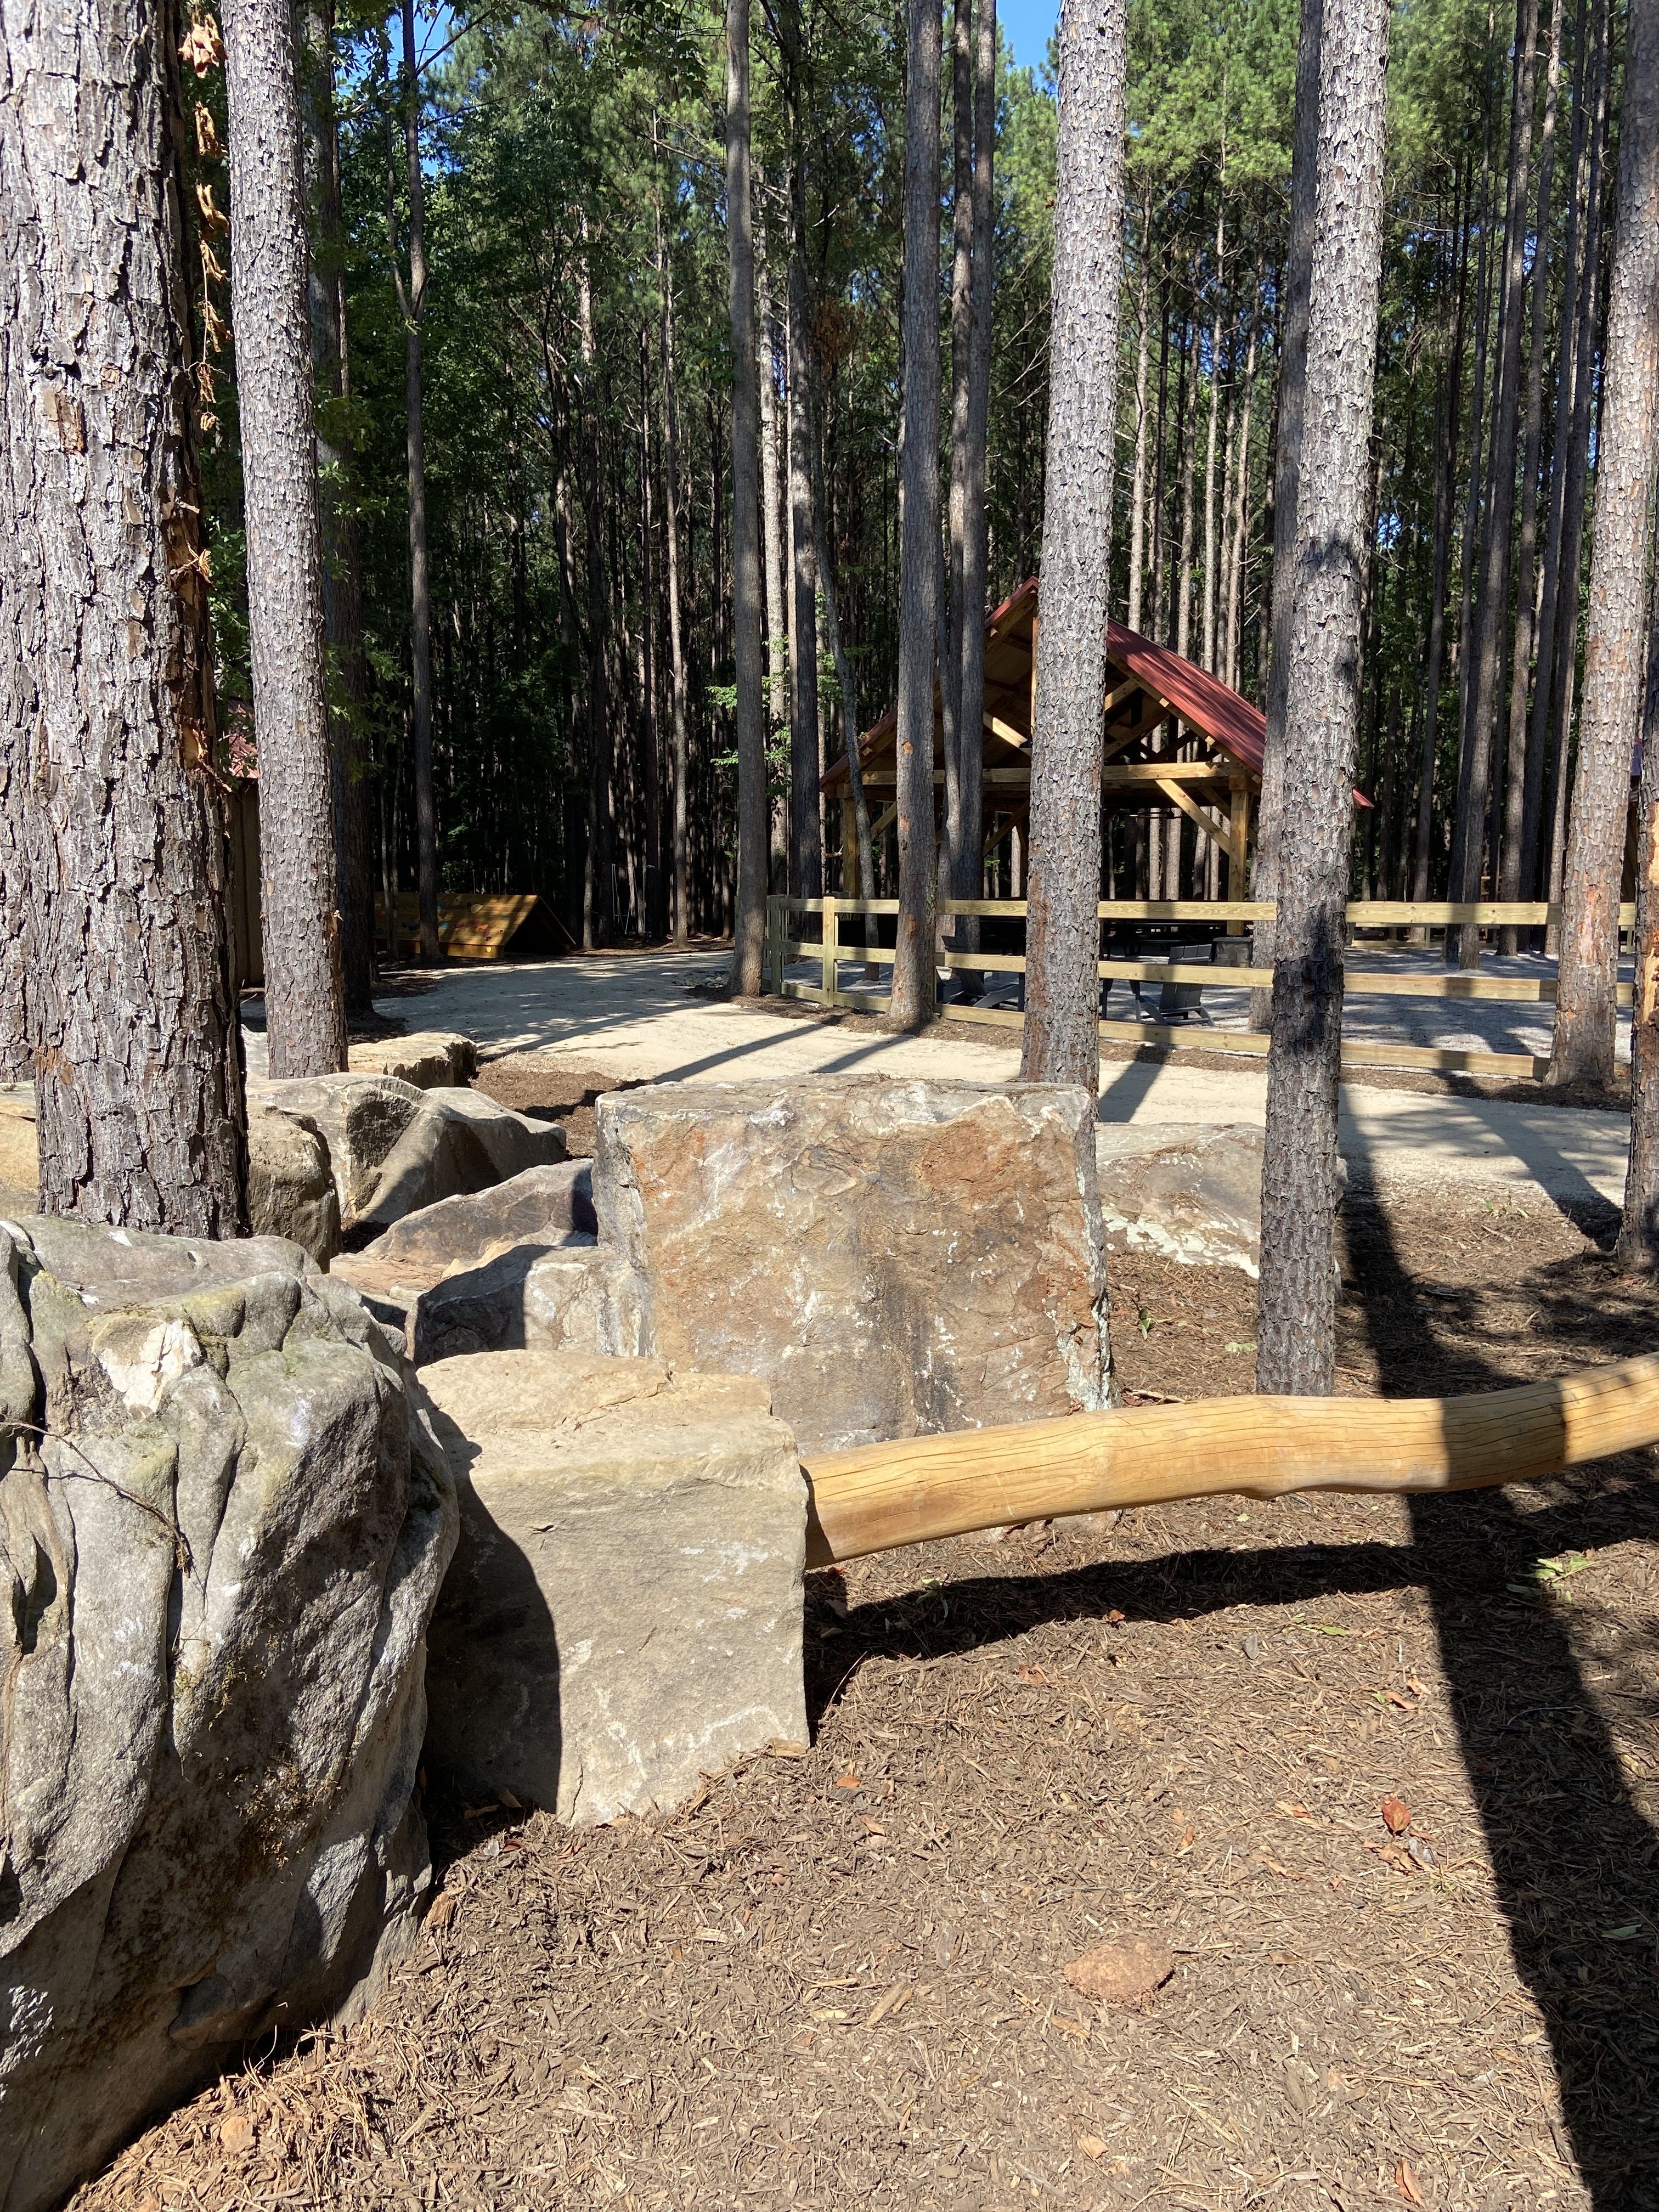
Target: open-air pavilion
[[1175, 741]]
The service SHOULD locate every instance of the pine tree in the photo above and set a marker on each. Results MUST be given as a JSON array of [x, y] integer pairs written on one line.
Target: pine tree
[[109, 728], [750, 933], [1621, 546], [1296, 1329], [1061, 1041]]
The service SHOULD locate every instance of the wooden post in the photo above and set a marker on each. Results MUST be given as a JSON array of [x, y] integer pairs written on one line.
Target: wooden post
[[850, 886], [917, 1489], [1237, 875], [772, 973], [831, 935]]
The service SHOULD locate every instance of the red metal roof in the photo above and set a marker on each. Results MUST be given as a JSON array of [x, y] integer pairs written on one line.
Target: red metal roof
[[1202, 700]]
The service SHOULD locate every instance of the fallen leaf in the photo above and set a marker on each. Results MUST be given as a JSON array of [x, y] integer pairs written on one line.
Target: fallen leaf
[[786, 1747], [1406, 2182], [1417, 1689], [1396, 1815], [1115, 1619], [1121, 1973], [874, 1826], [441, 1912], [848, 1781], [1091, 2146], [237, 2135], [1033, 1674], [1189, 1836]]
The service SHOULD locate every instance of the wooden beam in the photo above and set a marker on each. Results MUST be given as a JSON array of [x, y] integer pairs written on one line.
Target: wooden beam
[[1181, 771], [1208, 822], [1006, 731], [921, 1488]]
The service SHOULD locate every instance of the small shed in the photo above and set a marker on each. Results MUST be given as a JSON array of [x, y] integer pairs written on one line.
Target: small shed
[[1174, 738]]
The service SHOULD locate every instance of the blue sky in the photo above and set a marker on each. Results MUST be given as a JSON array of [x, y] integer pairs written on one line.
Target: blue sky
[[1028, 26]]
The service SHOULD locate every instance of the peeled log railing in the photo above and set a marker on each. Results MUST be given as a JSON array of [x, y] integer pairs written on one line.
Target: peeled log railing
[[883, 1496]]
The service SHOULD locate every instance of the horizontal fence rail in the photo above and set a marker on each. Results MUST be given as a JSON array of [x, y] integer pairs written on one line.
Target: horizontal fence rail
[[830, 950]]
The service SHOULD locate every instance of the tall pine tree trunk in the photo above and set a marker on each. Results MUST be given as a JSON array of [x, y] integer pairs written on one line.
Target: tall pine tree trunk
[[305, 1007], [957, 738], [968, 878], [1211, 599], [1639, 1232], [912, 1001], [1062, 941], [342, 576], [108, 718], [1287, 476], [1621, 543], [1492, 604], [806, 832], [1142, 356], [671, 477], [1526, 766], [1296, 1331], [748, 918], [777, 622], [598, 882], [412, 301]]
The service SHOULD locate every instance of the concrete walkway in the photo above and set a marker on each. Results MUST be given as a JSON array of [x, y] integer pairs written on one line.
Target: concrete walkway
[[641, 1015]]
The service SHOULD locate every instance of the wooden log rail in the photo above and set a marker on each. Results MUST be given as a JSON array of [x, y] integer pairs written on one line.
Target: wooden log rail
[[830, 948], [912, 1491]]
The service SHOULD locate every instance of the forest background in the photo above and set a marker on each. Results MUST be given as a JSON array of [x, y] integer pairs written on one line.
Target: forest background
[[575, 376]]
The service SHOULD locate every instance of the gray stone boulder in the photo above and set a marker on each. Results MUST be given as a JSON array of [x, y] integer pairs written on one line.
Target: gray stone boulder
[[394, 1148], [426, 1058], [625, 1612], [224, 1524], [892, 1258], [540, 1204], [482, 1308], [1185, 1190], [290, 1185]]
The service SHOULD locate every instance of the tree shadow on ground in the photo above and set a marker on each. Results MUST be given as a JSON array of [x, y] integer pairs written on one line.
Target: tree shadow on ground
[[1573, 1855]]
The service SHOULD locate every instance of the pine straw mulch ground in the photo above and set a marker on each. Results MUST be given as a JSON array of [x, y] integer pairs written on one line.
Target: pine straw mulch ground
[[837, 1978]]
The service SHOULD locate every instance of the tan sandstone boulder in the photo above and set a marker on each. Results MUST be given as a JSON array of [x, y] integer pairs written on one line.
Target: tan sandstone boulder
[[892, 1258], [624, 1611]]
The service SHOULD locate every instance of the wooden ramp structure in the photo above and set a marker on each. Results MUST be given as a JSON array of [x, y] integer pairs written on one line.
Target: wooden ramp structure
[[518, 925]]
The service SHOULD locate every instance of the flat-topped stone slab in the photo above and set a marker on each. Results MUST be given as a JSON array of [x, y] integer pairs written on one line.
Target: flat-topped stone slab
[[623, 1614]]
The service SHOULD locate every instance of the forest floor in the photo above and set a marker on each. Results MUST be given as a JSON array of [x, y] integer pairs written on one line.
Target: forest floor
[[838, 1978]]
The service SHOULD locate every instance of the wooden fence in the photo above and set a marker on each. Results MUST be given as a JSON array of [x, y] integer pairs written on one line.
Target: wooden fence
[[830, 949]]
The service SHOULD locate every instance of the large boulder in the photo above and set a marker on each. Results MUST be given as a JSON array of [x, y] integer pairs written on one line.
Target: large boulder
[[394, 1148], [1185, 1190], [539, 1205], [426, 1058], [290, 1185], [223, 1525], [890, 1257], [625, 1612]]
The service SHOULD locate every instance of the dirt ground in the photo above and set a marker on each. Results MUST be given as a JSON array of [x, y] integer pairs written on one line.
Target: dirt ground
[[837, 1978]]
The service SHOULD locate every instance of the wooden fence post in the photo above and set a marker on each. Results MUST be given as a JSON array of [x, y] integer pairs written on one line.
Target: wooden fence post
[[831, 964]]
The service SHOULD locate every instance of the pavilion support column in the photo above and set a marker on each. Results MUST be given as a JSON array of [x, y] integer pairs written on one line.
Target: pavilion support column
[[1237, 875]]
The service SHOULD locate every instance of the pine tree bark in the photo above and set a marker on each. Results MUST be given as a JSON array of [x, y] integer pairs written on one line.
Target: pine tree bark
[[1211, 600], [1061, 1042], [411, 302], [805, 829], [968, 865], [670, 473], [1287, 476], [305, 1004], [1143, 362], [1445, 486], [598, 875], [1492, 602], [957, 738], [749, 918], [1526, 766], [342, 578], [107, 699], [912, 999], [1615, 630], [1296, 1332], [1638, 1231], [777, 622]]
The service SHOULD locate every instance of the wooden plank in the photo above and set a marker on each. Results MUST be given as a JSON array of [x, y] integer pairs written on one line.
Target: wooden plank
[[1159, 771], [1213, 828], [829, 970], [918, 1489], [1006, 731]]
